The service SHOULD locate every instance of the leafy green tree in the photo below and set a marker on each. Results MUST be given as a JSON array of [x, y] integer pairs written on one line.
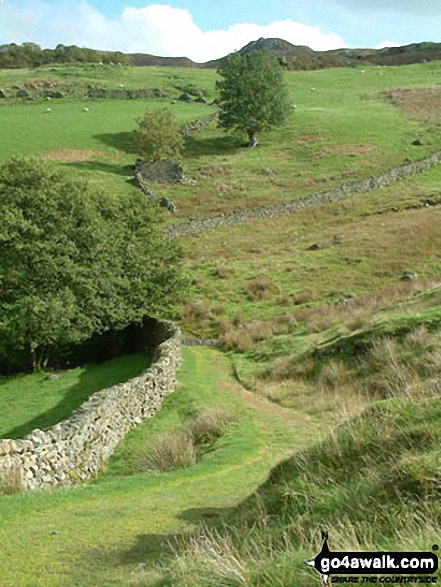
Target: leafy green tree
[[158, 135], [253, 93], [75, 261]]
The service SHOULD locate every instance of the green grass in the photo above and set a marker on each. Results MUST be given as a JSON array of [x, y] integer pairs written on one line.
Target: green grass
[[32, 401], [114, 531], [372, 485], [100, 533]]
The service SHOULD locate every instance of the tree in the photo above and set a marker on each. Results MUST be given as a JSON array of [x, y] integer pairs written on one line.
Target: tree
[[75, 261], [158, 135], [253, 94]]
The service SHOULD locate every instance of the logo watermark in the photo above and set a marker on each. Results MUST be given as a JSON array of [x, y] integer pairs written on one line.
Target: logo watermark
[[415, 566]]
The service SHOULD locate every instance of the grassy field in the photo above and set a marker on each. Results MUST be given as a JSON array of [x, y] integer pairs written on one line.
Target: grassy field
[[110, 532], [329, 320], [33, 401]]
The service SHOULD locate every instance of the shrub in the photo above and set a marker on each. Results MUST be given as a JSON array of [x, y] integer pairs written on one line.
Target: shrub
[[158, 135]]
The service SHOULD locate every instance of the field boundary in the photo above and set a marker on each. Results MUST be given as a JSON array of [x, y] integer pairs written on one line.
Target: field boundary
[[345, 190], [75, 450]]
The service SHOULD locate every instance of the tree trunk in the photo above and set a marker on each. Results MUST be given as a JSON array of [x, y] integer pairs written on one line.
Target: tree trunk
[[252, 139]]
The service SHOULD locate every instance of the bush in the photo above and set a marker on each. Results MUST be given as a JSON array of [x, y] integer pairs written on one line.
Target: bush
[[158, 135]]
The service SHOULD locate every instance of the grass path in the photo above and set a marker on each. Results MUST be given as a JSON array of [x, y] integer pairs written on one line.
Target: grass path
[[104, 533]]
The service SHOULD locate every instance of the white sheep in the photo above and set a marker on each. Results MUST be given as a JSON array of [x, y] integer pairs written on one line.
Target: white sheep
[[48, 110], [85, 109]]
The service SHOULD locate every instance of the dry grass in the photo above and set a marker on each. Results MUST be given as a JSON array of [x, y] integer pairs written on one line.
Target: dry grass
[[417, 103], [261, 289], [178, 449], [348, 150], [209, 424], [10, 481], [73, 155], [209, 559], [357, 312], [171, 451], [242, 336]]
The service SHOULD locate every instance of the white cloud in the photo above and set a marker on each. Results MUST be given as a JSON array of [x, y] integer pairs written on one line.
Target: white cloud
[[158, 29], [385, 44]]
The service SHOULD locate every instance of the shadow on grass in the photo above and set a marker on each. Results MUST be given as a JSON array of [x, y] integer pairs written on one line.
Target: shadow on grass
[[221, 145], [122, 141], [94, 378], [101, 166]]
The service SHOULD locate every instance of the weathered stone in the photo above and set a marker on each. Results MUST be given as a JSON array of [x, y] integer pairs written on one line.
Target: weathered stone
[[165, 171], [408, 275]]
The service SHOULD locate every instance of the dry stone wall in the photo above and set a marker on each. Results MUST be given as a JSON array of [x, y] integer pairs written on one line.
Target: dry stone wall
[[74, 450], [332, 195]]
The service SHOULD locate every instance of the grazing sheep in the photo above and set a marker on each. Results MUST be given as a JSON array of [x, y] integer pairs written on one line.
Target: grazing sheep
[[85, 109], [48, 98], [48, 110]]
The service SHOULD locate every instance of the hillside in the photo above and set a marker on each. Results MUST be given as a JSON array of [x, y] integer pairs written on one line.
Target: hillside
[[291, 57], [326, 377]]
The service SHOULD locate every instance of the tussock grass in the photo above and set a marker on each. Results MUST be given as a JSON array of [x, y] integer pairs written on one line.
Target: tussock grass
[[183, 447], [261, 288], [171, 451], [10, 481]]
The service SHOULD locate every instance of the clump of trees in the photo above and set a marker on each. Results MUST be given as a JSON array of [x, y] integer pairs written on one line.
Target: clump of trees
[[252, 94], [15, 56], [75, 261], [158, 135]]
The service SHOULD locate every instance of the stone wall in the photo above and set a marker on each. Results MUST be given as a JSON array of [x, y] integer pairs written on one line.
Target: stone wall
[[332, 195], [74, 450]]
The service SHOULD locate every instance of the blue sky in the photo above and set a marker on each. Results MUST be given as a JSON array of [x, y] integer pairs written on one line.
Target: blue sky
[[203, 29]]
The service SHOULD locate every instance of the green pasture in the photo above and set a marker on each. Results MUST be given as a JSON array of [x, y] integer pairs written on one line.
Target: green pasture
[[344, 127], [284, 308]]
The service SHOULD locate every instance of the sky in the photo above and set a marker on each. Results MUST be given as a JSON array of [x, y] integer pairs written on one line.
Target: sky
[[209, 29]]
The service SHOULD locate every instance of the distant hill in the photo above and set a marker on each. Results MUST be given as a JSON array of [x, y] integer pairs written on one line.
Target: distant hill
[[291, 57], [300, 57]]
